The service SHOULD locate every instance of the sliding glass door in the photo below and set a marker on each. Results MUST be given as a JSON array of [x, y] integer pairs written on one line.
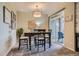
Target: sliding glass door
[[56, 24], [54, 27]]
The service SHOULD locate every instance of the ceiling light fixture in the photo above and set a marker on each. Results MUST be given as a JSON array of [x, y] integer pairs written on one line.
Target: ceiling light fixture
[[37, 12]]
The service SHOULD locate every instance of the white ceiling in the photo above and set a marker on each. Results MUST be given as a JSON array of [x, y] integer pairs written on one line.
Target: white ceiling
[[46, 7]]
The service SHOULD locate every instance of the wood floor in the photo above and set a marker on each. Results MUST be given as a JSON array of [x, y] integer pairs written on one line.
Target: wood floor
[[55, 50]]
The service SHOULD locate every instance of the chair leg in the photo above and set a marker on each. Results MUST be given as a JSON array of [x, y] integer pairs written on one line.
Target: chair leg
[[38, 48], [35, 42], [19, 44], [44, 46], [27, 44]]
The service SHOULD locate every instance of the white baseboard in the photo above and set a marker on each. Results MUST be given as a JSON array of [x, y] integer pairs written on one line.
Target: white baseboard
[[10, 49]]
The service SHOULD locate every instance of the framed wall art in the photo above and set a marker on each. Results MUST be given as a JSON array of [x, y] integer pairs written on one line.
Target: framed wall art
[[13, 20], [6, 15]]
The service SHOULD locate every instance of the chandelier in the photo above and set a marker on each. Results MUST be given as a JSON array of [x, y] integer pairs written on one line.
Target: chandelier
[[37, 12]]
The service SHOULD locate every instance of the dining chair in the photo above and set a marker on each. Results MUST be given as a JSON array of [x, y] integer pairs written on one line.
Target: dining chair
[[38, 31], [23, 40], [47, 36], [60, 36], [40, 40]]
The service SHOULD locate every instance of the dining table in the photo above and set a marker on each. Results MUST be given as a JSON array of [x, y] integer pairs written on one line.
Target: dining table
[[30, 34]]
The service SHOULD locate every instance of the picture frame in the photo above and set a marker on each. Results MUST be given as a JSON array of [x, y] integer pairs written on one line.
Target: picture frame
[[69, 18], [6, 15], [13, 20]]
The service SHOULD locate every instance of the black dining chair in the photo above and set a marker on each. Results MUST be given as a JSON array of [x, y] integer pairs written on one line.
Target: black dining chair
[[38, 31], [23, 40], [40, 40]]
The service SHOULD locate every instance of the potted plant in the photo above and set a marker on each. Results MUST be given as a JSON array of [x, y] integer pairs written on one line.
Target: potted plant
[[19, 32]]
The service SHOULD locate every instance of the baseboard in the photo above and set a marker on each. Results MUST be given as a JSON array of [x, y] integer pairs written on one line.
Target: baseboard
[[9, 49], [70, 49]]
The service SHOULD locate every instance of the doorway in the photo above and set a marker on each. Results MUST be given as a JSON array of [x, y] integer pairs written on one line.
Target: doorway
[[56, 24]]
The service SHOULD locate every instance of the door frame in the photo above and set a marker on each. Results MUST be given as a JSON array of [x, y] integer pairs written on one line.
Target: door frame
[[75, 34]]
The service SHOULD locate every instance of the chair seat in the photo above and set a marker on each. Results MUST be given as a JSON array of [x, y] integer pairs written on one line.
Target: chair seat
[[46, 35], [40, 38], [23, 41], [23, 37]]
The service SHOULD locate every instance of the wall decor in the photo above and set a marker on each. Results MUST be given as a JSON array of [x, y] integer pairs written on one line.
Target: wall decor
[[13, 20], [6, 15], [31, 24], [69, 18]]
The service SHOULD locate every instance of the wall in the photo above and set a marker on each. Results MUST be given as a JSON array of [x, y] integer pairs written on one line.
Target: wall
[[7, 36], [69, 27], [25, 17]]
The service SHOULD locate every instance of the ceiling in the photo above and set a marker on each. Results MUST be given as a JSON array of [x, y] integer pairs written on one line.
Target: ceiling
[[46, 7]]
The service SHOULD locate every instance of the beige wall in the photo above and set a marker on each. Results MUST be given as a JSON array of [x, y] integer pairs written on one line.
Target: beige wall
[[69, 27], [24, 17], [5, 33]]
